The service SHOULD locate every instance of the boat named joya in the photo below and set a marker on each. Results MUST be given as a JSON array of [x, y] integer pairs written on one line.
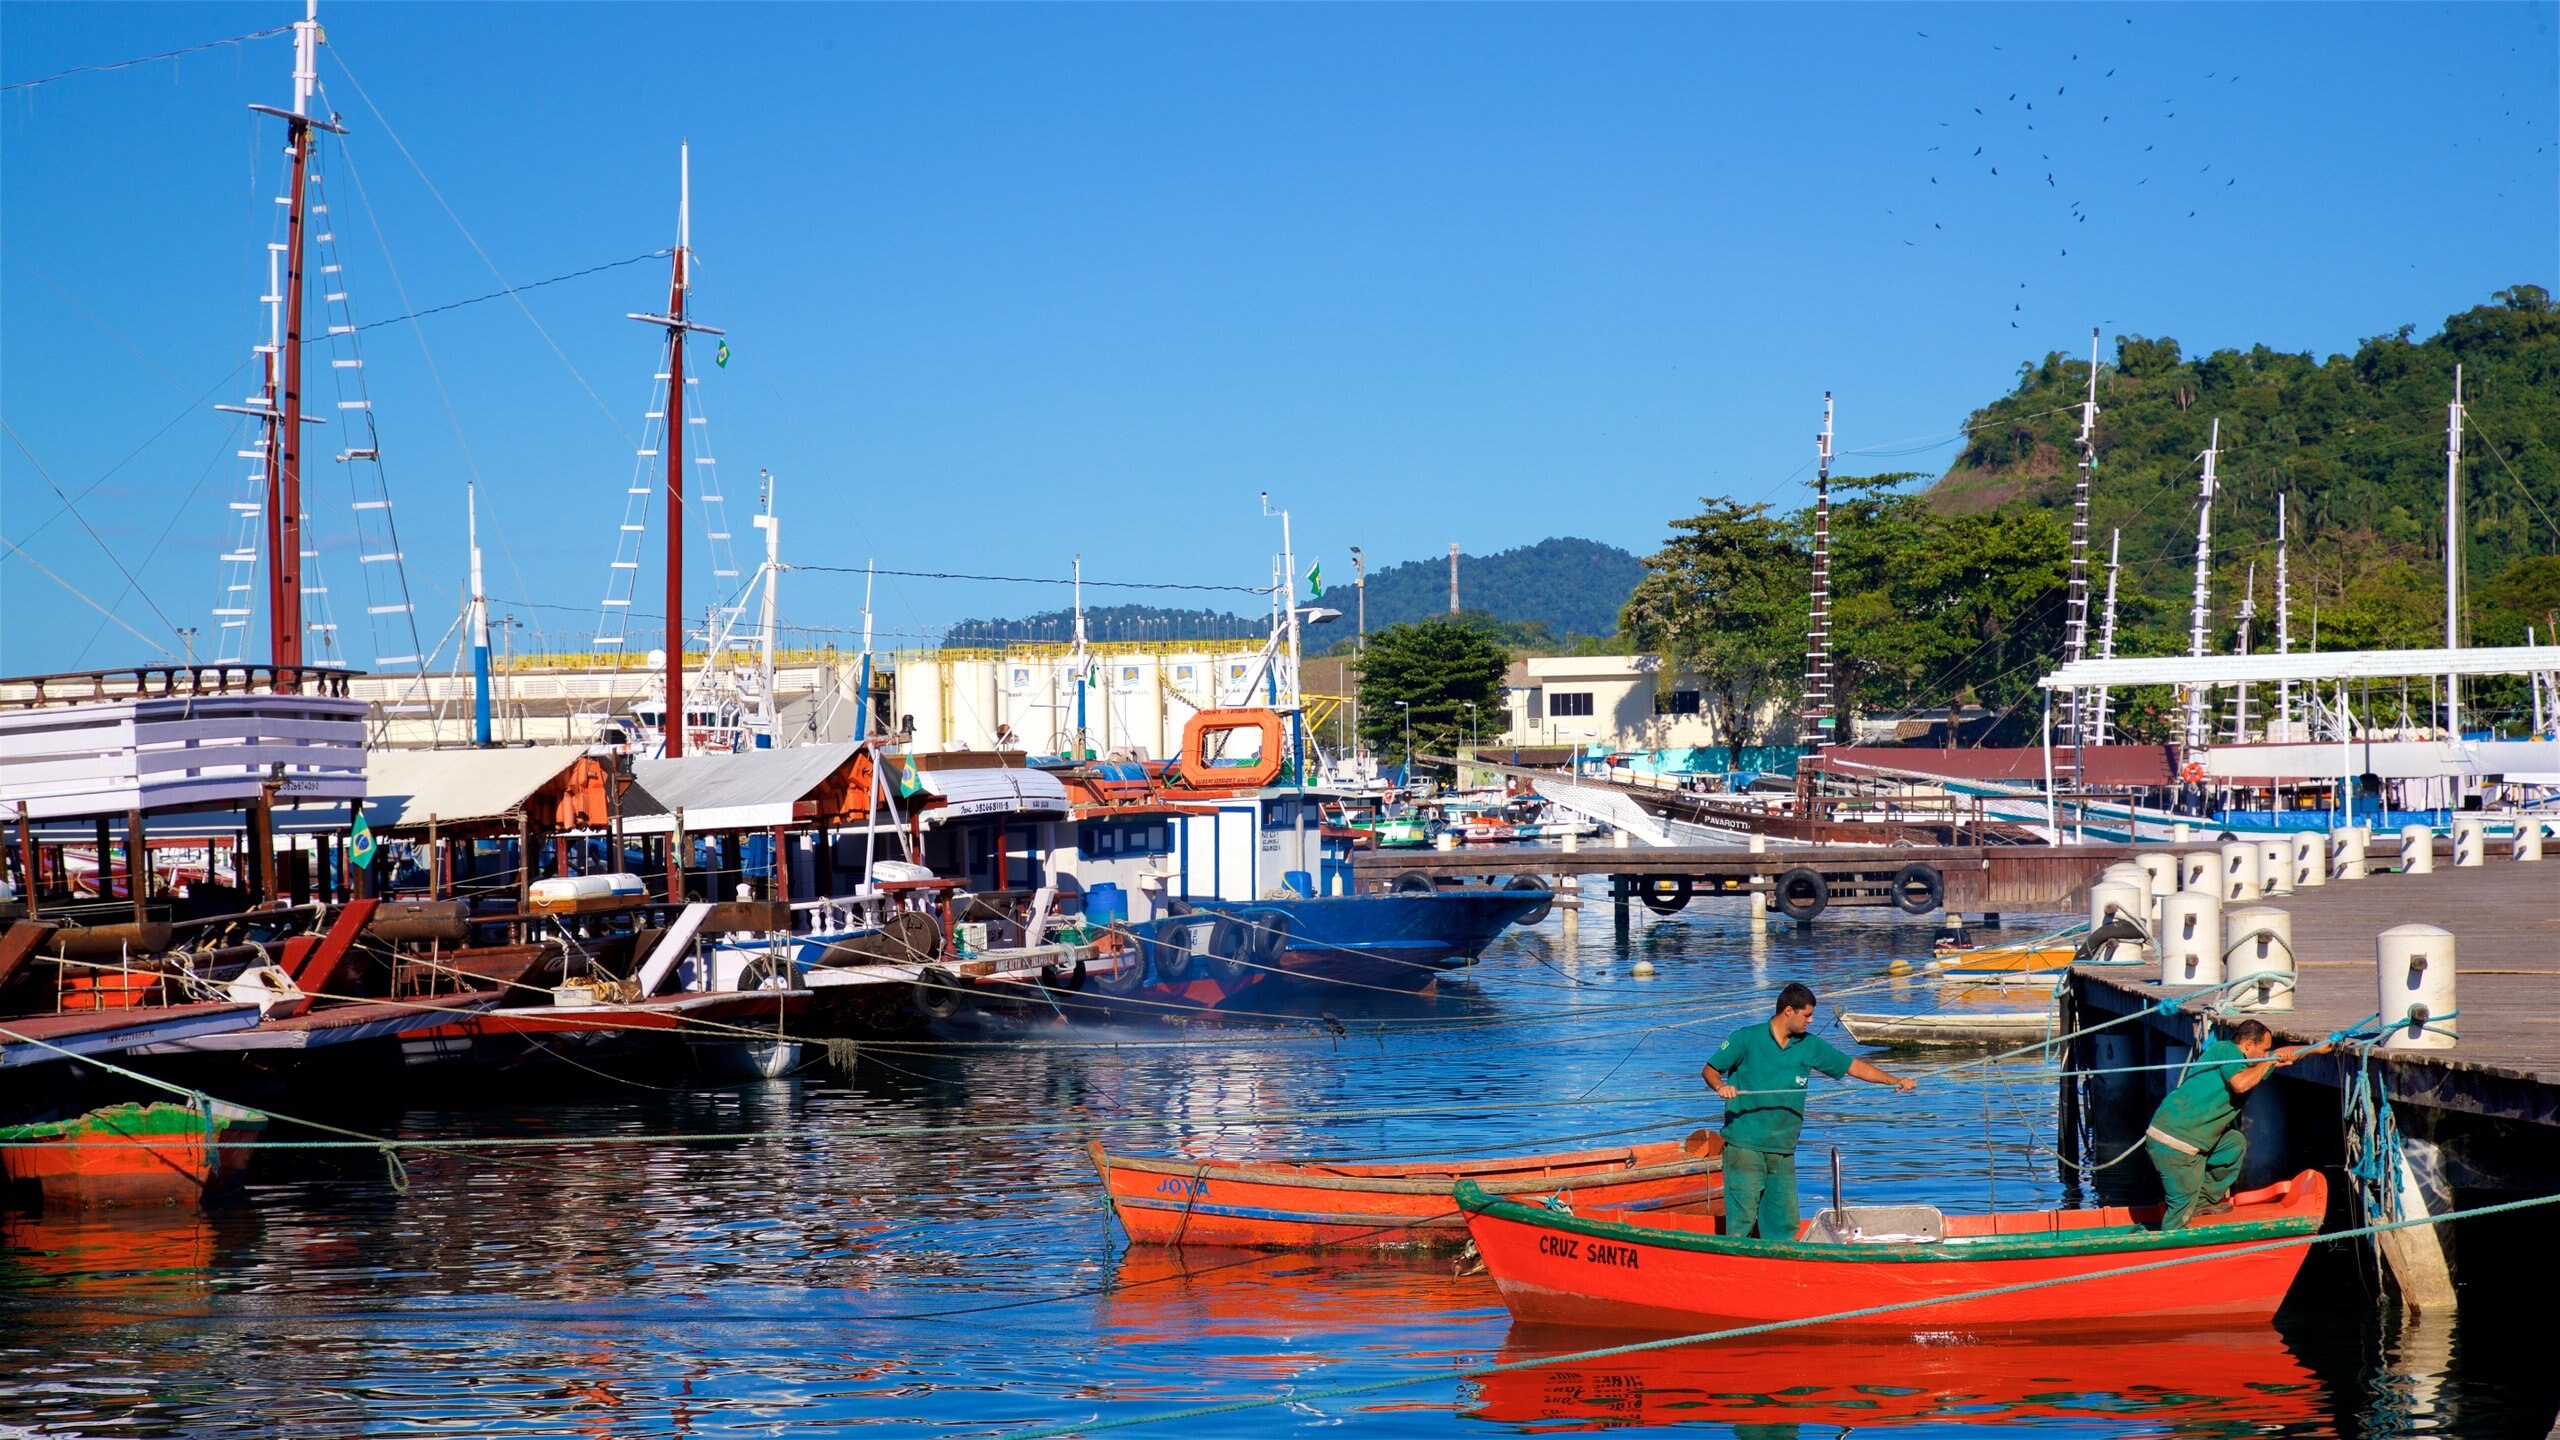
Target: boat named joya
[[1330, 1205], [2078, 1268]]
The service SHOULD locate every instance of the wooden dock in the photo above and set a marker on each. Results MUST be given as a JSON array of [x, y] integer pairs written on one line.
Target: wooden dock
[[2505, 918], [1975, 879]]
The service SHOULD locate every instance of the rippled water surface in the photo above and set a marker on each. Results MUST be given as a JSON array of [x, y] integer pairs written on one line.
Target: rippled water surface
[[922, 1246]]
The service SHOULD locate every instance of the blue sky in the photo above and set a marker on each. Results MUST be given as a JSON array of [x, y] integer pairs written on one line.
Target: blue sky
[[1007, 283]]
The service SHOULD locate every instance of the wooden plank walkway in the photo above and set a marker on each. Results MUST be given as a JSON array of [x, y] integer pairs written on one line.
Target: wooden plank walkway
[[1978, 878], [2505, 918]]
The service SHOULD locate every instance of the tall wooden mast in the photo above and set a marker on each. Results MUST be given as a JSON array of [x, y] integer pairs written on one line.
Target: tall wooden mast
[[284, 384], [677, 326]]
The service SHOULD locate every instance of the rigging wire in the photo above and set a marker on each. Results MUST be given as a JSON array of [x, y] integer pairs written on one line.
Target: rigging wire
[[1038, 580], [93, 534], [81, 594], [144, 59]]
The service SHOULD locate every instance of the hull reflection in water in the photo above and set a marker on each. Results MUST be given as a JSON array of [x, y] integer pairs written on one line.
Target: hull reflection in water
[[2216, 1384], [1179, 1296]]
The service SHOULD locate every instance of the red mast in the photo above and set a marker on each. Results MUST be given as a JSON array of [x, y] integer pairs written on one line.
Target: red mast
[[673, 726], [284, 374]]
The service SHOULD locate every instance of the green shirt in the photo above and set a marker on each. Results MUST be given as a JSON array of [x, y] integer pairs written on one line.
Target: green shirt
[[1769, 1112], [2204, 1105]]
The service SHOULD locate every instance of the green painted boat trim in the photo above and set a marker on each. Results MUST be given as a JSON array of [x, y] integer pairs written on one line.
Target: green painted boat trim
[[2100, 1240], [156, 1118]]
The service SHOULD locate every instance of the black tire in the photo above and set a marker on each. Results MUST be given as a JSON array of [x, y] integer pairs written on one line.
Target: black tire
[[767, 972], [1666, 894], [1545, 906], [936, 993], [1130, 975], [1919, 889], [1801, 894], [1231, 950], [1169, 954], [1064, 978], [1413, 882]]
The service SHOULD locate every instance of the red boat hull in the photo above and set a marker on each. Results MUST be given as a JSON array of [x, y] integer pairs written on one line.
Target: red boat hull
[[133, 1155], [1672, 1274], [1319, 1206]]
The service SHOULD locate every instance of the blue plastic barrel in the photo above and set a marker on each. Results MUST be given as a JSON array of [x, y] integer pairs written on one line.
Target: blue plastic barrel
[[1105, 905]]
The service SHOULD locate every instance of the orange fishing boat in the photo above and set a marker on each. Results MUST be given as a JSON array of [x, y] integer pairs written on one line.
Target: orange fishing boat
[[157, 1154], [1327, 1204], [1675, 1272]]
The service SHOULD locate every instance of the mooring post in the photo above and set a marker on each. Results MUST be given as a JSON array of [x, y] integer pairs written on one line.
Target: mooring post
[[1619, 889]]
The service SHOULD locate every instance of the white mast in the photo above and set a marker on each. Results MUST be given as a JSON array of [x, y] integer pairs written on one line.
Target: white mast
[[2203, 597], [2240, 692], [2284, 619], [864, 732], [771, 525], [2105, 699], [1820, 726], [2075, 635], [2452, 554], [480, 729], [1082, 662]]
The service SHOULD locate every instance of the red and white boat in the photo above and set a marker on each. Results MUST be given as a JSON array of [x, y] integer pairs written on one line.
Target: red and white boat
[[1679, 1272]]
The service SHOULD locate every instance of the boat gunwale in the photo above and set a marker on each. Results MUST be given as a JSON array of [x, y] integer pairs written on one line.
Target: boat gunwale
[[2092, 1241], [1286, 1175]]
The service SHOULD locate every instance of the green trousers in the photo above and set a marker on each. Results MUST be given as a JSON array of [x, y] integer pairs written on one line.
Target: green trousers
[[2191, 1180], [1759, 1193]]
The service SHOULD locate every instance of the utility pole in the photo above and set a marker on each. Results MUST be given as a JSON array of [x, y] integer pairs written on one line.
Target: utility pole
[[2203, 595], [677, 327], [1820, 722]]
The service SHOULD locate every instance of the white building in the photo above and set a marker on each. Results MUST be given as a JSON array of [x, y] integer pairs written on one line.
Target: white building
[[1613, 703], [1135, 699]]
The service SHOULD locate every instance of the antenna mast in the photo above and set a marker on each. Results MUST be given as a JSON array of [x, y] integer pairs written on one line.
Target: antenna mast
[[1819, 721], [2204, 597]]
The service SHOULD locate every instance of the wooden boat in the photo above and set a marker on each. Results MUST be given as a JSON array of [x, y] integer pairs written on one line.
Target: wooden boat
[[1949, 1027], [1324, 1205], [157, 1154], [1676, 1273], [2034, 963]]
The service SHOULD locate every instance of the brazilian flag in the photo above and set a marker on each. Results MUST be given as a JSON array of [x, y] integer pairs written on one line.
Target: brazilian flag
[[720, 357], [1315, 580], [909, 783]]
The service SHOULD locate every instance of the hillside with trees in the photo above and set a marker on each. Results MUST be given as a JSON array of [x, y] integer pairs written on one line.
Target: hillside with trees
[[1570, 587]]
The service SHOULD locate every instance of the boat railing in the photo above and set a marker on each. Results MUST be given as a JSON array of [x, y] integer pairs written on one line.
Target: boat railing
[[172, 681]]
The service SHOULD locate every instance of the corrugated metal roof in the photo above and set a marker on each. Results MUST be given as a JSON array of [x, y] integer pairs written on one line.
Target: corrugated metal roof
[[992, 791], [458, 787], [750, 790], [2324, 665]]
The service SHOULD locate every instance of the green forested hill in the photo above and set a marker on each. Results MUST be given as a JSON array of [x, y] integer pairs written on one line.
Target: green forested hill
[[1571, 587], [2355, 442]]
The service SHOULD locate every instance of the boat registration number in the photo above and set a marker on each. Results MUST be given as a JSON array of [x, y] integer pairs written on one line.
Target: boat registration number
[[1570, 1247]]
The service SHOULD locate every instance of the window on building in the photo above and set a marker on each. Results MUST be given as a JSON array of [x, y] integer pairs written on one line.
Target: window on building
[[1676, 702], [1105, 838], [1562, 703]]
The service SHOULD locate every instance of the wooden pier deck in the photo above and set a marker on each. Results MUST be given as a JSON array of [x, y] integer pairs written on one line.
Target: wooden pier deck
[[2505, 918], [1976, 878]]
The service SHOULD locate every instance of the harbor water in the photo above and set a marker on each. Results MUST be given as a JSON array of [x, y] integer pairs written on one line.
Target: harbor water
[[920, 1246]]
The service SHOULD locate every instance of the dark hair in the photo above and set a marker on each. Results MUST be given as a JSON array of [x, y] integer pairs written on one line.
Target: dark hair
[[1797, 997], [2248, 1030]]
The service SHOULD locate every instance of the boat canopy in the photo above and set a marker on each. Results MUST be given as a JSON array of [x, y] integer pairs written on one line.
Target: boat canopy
[[746, 790], [461, 789], [2301, 665], [990, 790]]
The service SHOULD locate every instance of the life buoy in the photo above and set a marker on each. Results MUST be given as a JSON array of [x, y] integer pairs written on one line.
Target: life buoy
[[1666, 894], [1195, 768], [936, 993], [1546, 901], [1919, 889], [2192, 772], [1801, 894], [1414, 882]]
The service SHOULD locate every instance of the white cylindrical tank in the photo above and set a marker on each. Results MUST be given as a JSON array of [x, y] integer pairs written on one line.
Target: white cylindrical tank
[[2415, 967], [2275, 866], [2310, 859], [2190, 938], [2528, 842], [2258, 946], [2200, 870], [2417, 850], [2470, 841], [2240, 871], [2107, 900], [2352, 842]]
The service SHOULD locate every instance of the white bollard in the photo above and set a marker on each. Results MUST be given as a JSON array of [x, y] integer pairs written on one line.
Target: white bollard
[[2125, 872], [2107, 900], [1445, 840], [2417, 850], [2470, 841], [2353, 841], [2310, 859], [1619, 839], [2159, 872], [2415, 968], [2240, 871], [2528, 842], [2200, 870], [2258, 946], [2191, 939], [1572, 843], [2181, 833], [2275, 866]]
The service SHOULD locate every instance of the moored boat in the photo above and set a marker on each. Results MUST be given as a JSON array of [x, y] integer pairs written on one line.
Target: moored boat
[[1950, 1027], [1676, 1273], [1330, 1205], [156, 1154]]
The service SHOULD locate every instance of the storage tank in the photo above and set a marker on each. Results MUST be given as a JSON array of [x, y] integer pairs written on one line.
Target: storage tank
[[2258, 946], [2415, 969], [2190, 938]]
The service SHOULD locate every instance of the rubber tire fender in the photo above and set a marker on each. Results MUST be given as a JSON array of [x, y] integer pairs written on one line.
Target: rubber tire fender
[[1801, 894], [935, 995], [1545, 907], [767, 972], [1929, 885], [1066, 979], [1126, 978], [1169, 954], [1413, 882], [1670, 902]]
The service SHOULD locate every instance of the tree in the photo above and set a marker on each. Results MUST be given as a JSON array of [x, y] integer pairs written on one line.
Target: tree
[[1437, 668], [1725, 601]]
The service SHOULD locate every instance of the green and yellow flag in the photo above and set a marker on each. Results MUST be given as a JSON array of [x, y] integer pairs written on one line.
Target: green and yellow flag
[[1315, 580], [720, 357]]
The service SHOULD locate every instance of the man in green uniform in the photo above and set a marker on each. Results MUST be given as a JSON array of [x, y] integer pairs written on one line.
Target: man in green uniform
[[1761, 1070], [2194, 1140]]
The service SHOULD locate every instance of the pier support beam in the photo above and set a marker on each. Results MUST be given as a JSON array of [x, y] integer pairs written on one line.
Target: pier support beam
[[2416, 1255], [1620, 888]]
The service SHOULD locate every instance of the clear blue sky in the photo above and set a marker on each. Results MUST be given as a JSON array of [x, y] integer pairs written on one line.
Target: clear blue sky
[[1007, 283]]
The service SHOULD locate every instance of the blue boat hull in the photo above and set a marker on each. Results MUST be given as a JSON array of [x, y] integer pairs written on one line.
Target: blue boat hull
[[1373, 942]]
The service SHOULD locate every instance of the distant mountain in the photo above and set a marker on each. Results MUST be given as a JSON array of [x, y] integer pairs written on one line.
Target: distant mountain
[[1545, 594], [1571, 587]]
